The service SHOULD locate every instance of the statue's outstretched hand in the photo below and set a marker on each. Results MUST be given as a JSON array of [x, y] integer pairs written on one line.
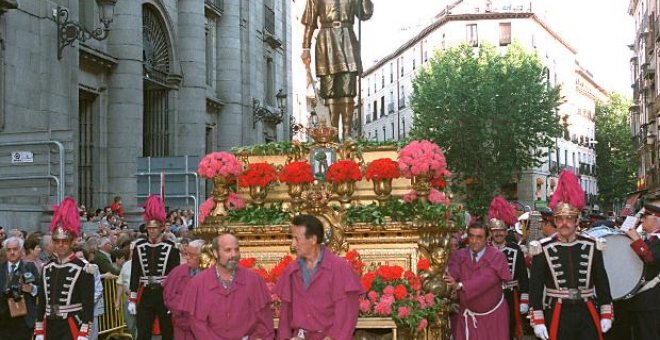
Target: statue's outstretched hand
[[306, 57]]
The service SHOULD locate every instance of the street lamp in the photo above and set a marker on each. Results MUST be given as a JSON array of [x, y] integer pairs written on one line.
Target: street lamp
[[266, 114], [70, 31]]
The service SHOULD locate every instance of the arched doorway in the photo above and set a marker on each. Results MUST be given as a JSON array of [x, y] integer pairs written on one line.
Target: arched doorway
[[156, 56]]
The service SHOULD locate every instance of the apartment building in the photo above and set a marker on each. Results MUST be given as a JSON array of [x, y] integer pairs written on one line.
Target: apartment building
[[646, 105], [387, 85]]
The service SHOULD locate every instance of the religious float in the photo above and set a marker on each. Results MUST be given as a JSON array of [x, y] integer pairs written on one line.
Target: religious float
[[383, 208]]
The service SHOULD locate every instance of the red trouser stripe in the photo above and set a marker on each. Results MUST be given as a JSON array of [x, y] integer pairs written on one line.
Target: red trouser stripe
[[594, 316], [554, 322], [516, 313], [73, 328]]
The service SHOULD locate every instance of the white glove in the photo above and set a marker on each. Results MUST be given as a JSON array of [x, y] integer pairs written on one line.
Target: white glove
[[541, 332], [131, 308], [605, 325], [39, 337], [524, 308], [82, 338]]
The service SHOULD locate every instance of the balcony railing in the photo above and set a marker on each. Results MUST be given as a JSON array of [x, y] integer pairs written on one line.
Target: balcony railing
[[217, 5]]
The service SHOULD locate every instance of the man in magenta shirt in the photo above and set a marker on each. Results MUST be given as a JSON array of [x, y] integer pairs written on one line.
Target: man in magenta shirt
[[174, 288], [228, 302], [319, 291]]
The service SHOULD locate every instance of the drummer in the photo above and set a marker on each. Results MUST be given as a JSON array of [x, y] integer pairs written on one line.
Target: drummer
[[645, 305], [548, 225]]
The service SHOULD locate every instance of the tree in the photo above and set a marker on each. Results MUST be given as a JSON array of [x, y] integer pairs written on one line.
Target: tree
[[615, 153], [494, 115]]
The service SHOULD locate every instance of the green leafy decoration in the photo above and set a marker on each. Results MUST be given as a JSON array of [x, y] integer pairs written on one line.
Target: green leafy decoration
[[269, 215]]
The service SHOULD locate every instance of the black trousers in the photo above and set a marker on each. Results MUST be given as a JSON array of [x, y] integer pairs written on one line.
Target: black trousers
[[58, 329], [15, 329], [646, 325], [508, 295], [575, 322], [152, 307], [622, 323]]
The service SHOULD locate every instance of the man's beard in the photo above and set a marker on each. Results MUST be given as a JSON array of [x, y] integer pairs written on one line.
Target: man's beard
[[231, 264]]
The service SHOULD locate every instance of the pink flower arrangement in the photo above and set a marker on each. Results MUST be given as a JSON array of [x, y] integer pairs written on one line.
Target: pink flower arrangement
[[438, 197], [206, 208], [422, 158], [234, 202], [219, 164], [403, 312]]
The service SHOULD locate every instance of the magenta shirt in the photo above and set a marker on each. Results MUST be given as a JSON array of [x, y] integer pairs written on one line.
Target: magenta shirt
[[229, 314], [175, 286], [328, 307], [482, 291]]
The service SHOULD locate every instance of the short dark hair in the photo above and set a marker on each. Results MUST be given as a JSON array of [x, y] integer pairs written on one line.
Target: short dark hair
[[313, 226], [31, 242], [478, 225]]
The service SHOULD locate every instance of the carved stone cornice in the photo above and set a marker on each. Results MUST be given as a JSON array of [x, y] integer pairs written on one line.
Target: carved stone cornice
[[6, 5]]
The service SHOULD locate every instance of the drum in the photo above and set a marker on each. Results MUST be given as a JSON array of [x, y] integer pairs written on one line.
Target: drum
[[624, 268]]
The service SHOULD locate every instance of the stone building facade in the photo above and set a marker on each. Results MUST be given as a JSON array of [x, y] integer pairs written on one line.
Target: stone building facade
[[387, 86], [173, 78]]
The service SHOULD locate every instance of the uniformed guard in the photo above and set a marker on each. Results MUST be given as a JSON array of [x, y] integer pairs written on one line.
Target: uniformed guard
[[570, 268], [501, 216], [153, 259], [645, 305], [66, 304]]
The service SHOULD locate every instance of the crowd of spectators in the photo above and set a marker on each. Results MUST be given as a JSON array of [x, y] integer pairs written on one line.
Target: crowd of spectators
[[106, 242]]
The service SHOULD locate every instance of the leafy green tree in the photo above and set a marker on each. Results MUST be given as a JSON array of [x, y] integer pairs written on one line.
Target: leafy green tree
[[493, 113], [615, 153]]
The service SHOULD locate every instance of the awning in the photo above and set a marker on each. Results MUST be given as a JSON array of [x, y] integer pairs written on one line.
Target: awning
[[631, 203]]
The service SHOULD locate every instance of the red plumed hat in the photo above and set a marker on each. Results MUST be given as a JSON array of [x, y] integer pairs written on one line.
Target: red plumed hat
[[66, 220], [568, 198], [500, 213], [154, 211]]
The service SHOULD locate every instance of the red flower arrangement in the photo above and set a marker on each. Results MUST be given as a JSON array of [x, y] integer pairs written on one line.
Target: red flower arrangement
[[391, 291], [343, 171], [353, 258], [439, 183], [248, 262], [258, 174], [423, 264], [219, 164], [396, 293], [297, 173], [382, 168]]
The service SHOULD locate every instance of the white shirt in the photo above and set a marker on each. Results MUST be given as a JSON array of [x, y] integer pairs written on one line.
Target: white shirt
[[125, 274]]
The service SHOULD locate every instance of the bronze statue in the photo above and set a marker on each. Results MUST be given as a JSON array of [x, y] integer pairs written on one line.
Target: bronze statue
[[337, 53]]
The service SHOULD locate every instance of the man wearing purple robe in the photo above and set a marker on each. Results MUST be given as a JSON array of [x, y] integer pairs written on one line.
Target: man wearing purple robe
[[477, 273], [228, 302], [319, 292], [174, 288]]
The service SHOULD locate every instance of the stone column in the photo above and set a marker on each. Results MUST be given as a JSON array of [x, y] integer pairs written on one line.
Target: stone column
[[231, 44], [191, 113], [125, 103]]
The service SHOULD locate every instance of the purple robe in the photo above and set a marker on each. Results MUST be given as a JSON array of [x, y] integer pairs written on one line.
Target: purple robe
[[174, 288], [229, 314], [329, 306], [481, 293]]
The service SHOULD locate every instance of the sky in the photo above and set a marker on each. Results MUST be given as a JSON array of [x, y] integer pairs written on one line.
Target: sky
[[599, 30]]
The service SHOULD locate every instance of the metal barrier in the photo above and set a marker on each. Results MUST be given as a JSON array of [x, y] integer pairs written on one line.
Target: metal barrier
[[59, 180], [112, 319]]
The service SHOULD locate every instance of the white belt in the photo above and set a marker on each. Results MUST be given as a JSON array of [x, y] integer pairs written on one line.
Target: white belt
[[649, 284], [152, 279], [468, 313], [510, 284], [62, 311]]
